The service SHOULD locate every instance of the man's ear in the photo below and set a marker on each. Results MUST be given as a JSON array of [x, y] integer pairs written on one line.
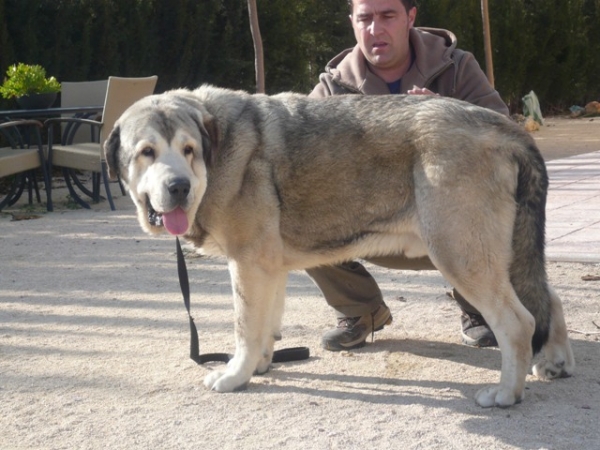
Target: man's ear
[[112, 145], [412, 16]]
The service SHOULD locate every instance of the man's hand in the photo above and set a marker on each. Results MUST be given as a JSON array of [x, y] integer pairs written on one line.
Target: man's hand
[[420, 91]]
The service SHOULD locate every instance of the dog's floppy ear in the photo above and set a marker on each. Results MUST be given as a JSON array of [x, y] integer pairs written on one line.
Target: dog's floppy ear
[[210, 138], [111, 152]]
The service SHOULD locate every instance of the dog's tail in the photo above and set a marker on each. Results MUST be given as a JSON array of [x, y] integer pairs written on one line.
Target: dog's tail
[[528, 268]]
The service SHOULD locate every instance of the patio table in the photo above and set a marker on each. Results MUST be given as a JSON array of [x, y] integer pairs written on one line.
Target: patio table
[[76, 111], [50, 112]]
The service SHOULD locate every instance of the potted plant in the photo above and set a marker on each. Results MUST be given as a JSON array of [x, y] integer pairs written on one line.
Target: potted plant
[[29, 86]]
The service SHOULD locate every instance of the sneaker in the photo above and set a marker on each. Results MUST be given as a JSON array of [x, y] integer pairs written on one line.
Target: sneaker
[[352, 332], [476, 332]]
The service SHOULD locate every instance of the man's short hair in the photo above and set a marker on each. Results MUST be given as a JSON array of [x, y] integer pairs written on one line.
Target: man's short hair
[[408, 4]]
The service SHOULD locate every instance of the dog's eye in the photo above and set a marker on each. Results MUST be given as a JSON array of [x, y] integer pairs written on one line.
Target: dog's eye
[[188, 150], [148, 152]]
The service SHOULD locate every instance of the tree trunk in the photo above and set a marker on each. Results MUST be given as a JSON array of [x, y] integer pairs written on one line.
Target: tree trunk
[[259, 64]]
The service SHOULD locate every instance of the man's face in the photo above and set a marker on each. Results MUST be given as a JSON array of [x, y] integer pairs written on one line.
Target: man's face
[[381, 29]]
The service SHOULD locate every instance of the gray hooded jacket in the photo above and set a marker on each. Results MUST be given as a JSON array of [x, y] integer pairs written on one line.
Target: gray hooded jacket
[[437, 65]]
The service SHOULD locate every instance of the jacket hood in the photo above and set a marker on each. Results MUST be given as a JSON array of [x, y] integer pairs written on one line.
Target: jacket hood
[[432, 49]]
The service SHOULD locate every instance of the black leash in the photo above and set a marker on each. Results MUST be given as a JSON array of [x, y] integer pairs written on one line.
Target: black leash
[[283, 355]]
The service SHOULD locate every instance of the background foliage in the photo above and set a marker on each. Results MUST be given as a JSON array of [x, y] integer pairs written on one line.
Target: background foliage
[[549, 46]]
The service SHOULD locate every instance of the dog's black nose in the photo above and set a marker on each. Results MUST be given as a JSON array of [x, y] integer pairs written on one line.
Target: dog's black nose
[[179, 188]]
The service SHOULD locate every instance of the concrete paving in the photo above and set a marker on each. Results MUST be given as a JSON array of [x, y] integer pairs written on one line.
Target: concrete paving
[[573, 209]]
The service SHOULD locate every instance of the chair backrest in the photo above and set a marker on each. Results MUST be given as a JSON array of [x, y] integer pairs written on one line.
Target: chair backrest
[[120, 95], [82, 93]]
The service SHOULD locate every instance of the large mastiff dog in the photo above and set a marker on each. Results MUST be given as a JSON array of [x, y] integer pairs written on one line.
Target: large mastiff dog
[[277, 183]]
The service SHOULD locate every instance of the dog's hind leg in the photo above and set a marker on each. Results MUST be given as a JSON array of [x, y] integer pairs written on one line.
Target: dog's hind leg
[[254, 292], [558, 360], [478, 267], [474, 255], [513, 327], [467, 219]]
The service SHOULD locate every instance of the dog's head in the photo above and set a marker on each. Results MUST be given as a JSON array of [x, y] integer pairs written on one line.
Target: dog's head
[[161, 148]]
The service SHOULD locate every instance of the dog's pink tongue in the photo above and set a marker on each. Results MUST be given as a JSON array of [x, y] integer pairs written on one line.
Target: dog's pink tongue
[[175, 221]]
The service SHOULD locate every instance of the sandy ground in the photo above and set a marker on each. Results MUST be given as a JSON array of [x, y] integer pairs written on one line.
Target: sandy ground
[[94, 351]]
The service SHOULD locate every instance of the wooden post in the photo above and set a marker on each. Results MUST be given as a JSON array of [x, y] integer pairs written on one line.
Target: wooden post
[[487, 40], [259, 64]]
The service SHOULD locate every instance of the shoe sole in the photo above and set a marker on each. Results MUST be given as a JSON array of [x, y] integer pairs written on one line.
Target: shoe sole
[[479, 343], [337, 347]]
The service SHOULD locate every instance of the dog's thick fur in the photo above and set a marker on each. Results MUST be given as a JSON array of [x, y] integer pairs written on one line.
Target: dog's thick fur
[[285, 182]]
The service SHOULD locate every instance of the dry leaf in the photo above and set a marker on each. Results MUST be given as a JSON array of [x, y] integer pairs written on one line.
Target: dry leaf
[[590, 277]]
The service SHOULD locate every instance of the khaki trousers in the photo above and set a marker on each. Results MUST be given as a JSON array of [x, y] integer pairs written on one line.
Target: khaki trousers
[[353, 292]]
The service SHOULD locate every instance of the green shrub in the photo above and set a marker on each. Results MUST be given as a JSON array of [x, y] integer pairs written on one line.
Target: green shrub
[[24, 79]]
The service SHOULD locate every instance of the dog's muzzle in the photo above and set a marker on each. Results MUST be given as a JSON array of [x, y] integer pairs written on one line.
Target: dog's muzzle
[[173, 218]]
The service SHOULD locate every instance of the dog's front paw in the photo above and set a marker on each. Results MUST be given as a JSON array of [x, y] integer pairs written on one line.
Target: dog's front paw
[[497, 396], [263, 366], [225, 382], [211, 378]]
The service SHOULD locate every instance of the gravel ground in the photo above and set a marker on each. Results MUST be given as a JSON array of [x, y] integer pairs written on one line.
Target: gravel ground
[[94, 355]]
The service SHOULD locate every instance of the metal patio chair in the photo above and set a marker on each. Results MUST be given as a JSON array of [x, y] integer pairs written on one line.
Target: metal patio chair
[[89, 156], [21, 160]]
